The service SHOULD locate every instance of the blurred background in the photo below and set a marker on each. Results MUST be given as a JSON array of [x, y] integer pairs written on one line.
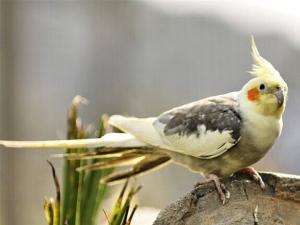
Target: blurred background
[[136, 58]]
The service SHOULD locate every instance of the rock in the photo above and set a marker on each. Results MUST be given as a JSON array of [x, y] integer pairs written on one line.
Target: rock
[[278, 204]]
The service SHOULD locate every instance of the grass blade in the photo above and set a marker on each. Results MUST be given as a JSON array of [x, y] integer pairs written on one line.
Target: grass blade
[[48, 211], [120, 212], [70, 176], [128, 222], [94, 191], [52, 207]]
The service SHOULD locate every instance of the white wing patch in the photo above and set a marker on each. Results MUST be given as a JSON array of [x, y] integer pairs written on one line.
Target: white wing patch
[[208, 145]]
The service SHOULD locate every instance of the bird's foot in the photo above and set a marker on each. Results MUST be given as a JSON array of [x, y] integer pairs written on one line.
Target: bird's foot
[[223, 193], [253, 173]]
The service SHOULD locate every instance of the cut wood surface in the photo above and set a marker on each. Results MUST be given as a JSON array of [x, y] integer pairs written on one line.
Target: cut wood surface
[[278, 204]]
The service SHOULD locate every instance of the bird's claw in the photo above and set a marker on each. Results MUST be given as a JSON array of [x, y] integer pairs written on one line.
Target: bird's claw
[[253, 173], [223, 193], [226, 192], [260, 182]]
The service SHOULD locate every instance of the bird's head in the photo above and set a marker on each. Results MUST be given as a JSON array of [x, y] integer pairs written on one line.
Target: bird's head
[[267, 92]]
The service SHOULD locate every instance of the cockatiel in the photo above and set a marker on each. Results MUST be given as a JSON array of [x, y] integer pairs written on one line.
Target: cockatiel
[[215, 136]]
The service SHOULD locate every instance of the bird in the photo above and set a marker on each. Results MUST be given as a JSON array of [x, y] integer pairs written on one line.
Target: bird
[[215, 136]]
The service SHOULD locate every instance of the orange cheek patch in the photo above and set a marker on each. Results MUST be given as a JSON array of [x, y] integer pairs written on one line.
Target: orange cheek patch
[[253, 94]]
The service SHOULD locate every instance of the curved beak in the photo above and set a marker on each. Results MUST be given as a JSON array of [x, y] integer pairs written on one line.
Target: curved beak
[[279, 96]]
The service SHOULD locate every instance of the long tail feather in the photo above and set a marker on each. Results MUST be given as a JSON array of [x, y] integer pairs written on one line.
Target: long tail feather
[[111, 140], [78, 143], [149, 163], [128, 159], [105, 153]]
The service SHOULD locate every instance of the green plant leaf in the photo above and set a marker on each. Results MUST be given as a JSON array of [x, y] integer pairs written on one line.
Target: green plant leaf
[[93, 190], [71, 178], [121, 209]]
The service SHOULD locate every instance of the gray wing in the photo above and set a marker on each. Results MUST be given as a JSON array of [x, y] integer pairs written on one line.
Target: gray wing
[[203, 129]]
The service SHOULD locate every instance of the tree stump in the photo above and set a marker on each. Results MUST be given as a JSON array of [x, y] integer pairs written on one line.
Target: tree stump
[[278, 204]]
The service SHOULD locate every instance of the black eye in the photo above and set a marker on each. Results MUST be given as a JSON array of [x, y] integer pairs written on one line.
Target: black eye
[[262, 87]]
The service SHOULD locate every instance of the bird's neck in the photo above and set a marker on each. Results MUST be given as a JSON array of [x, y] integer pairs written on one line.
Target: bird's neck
[[263, 129]]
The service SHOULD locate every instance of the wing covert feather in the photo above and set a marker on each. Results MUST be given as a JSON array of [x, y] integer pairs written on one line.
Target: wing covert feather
[[204, 129]]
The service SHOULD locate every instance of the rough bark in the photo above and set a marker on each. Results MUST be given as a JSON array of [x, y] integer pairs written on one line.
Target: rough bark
[[278, 204]]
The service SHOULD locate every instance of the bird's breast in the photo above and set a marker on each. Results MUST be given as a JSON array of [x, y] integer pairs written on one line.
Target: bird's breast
[[261, 133]]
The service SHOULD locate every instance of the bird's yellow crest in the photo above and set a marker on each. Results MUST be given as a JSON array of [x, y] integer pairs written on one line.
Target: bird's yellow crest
[[261, 67]]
